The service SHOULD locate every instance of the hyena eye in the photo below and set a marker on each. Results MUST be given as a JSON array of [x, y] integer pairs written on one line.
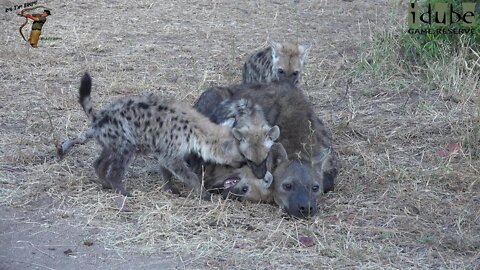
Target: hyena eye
[[280, 71], [245, 189], [295, 73], [315, 188], [287, 186]]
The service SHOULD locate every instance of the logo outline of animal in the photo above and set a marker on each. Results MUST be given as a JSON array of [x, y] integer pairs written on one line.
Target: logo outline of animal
[[168, 128], [280, 61]]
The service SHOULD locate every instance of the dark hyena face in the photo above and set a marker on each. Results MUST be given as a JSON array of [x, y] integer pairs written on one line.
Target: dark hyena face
[[288, 60], [296, 187]]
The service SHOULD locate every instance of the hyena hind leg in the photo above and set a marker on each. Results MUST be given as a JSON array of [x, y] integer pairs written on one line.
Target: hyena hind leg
[[120, 161], [180, 169], [101, 165]]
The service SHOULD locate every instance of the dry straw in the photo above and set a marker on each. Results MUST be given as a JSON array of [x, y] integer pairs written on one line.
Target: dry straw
[[399, 203]]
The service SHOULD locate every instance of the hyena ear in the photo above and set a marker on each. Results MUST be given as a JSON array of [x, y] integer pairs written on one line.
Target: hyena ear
[[274, 133], [237, 134], [276, 49], [304, 49], [326, 167], [276, 156], [267, 180], [320, 158], [324, 160]]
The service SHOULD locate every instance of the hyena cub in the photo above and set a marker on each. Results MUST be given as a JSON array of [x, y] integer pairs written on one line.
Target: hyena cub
[[278, 62], [241, 183], [165, 127], [250, 131]]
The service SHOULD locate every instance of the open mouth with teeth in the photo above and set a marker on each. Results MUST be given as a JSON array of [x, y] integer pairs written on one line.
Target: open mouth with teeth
[[229, 187], [231, 181]]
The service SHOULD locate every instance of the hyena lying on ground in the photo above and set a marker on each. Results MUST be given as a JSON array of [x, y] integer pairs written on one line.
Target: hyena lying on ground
[[278, 62], [311, 167], [241, 183], [170, 130]]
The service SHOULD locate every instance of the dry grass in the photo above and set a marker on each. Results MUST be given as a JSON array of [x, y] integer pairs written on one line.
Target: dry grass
[[399, 203]]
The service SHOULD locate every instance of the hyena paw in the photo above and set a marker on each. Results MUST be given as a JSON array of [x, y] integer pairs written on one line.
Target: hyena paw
[[206, 196], [170, 189]]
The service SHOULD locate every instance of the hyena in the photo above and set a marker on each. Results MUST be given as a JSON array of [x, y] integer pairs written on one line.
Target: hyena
[[241, 183], [280, 61], [254, 134], [167, 128], [311, 167]]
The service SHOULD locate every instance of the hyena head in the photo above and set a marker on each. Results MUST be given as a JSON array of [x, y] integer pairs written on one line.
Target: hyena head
[[296, 187], [287, 61], [298, 183], [243, 185], [255, 136]]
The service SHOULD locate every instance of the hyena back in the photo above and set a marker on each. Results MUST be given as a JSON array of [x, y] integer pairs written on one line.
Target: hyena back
[[167, 128], [280, 61]]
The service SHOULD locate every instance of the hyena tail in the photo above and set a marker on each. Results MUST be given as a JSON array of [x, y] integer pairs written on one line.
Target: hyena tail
[[84, 96]]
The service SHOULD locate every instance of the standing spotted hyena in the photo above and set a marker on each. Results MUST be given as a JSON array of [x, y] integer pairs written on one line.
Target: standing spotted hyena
[[167, 128], [278, 62]]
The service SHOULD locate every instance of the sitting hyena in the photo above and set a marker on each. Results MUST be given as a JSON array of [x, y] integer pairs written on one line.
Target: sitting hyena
[[170, 130], [311, 167], [278, 62]]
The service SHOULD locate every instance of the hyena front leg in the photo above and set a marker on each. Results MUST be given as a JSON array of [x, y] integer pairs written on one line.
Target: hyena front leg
[[180, 169], [120, 161], [166, 176], [101, 165]]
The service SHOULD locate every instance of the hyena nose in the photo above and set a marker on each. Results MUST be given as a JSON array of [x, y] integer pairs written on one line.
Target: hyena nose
[[259, 173], [307, 210], [259, 170]]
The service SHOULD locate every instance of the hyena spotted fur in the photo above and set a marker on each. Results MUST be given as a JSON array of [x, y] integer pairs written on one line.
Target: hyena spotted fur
[[167, 128], [278, 62]]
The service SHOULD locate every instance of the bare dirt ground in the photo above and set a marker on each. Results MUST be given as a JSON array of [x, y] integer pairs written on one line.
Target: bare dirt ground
[[407, 196]]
